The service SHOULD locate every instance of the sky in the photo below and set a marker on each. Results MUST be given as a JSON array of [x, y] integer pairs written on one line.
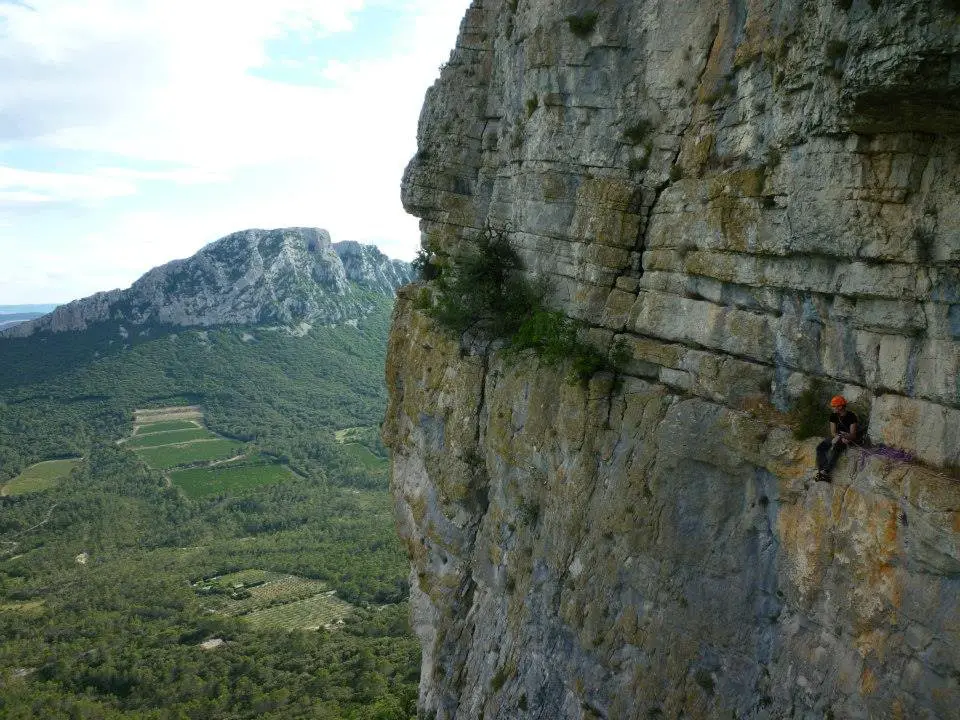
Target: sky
[[134, 132]]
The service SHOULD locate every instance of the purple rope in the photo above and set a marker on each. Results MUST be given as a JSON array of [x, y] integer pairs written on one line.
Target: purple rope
[[888, 453], [893, 454]]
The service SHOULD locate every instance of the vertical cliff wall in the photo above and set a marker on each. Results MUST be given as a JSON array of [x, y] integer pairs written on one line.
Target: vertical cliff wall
[[750, 196]]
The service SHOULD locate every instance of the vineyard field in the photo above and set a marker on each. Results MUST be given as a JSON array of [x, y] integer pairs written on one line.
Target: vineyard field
[[227, 479], [315, 612], [170, 456], [165, 426], [169, 437], [39, 477]]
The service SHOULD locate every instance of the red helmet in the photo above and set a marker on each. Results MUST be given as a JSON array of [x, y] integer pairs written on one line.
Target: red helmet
[[838, 401]]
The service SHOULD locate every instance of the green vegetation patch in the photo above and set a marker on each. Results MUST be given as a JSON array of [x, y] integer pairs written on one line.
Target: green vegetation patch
[[364, 458], [315, 612], [810, 414], [637, 133], [486, 290], [582, 25], [227, 479], [243, 578], [39, 477], [170, 456], [274, 589], [28, 607], [352, 434], [170, 437], [165, 426]]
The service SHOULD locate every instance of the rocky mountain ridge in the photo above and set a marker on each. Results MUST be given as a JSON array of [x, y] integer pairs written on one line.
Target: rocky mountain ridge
[[756, 200], [286, 276]]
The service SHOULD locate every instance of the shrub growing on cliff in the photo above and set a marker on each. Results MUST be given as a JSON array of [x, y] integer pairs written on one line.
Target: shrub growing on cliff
[[485, 288], [550, 334], [532, 104], [582, 25], [554, 338], [424, 266], [638, 164], [637, 133], [808, 415]]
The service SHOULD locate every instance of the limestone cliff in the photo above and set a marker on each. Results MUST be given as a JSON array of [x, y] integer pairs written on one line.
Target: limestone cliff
[[287, 276], [751, 195]]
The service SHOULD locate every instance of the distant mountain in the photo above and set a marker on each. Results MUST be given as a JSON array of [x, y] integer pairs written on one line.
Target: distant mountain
[[11, 315], [32, 308], [289, 276], [8, 320]]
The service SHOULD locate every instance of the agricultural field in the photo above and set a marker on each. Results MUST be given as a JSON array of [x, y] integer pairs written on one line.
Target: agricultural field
[[274, 600], [165, 426], [325, 610], [352, 434], [172, 438], [39, 477], [153, 416], [363, 457], [258, 594], [169, 437], [227, 478], [243, 578], [166, 457]]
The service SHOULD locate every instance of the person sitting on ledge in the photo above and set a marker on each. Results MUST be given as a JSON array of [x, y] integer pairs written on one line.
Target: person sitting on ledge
[[843, 431]]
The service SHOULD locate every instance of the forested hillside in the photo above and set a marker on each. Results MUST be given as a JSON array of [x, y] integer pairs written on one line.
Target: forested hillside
[[289, 393], [109, 578]]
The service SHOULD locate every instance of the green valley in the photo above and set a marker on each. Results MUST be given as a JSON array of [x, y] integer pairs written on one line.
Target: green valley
[[213, 537]]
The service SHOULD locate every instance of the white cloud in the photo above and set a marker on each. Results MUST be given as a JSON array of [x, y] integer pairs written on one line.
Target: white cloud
[[21, 197], [167, 84], [19, 186], [169, 80], [182, 176], [50, 187]]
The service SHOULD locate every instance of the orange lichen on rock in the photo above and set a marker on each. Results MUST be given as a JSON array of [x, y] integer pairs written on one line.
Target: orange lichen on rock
[[805, 533]]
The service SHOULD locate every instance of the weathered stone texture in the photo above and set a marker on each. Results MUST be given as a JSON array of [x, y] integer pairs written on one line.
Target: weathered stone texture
[[748, 196]]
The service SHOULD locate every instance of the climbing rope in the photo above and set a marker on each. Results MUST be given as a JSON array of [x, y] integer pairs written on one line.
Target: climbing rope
[[888, 453], [901, 457]]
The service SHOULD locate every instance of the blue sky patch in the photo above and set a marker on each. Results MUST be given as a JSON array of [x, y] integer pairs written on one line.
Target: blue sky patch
[[301, 58]]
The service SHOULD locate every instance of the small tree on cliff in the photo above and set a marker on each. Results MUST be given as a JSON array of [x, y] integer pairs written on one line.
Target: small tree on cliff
[[486, 287]]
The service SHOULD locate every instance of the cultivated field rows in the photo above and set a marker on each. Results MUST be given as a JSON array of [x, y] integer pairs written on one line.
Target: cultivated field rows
[[274, 600]]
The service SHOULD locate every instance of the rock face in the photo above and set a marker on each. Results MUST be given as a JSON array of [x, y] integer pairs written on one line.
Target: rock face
[[285, 276], [750, 196]]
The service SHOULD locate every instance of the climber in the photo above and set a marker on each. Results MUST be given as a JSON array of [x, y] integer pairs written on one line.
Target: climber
[[844, 427]]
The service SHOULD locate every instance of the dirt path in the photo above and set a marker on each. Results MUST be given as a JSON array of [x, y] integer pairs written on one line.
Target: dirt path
[[228, 460]]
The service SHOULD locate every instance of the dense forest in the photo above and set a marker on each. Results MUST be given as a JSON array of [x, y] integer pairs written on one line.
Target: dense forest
[[102, 578]]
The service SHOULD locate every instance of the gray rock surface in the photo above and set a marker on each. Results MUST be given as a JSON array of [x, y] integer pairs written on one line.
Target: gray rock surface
[[750, 196], [287, 276]]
